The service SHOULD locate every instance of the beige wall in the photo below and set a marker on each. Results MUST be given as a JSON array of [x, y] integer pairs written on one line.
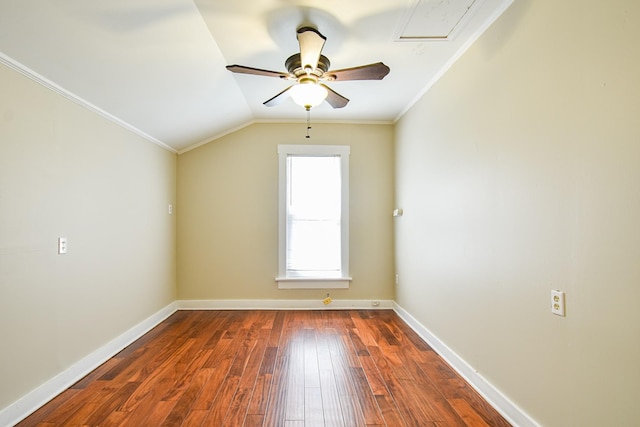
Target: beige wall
[[519, 172], [64, 171], [228, 205]]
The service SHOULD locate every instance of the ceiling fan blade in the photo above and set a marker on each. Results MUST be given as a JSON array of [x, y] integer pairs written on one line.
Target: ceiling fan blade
[[334, 98], [256, 71], [311, 44], [375, 71], [279, 98]]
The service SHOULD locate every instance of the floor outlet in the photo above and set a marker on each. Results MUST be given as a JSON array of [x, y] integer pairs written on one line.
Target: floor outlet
[[557, 303], [327, 300]]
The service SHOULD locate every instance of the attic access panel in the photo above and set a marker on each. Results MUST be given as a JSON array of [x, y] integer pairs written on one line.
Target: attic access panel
[[433, 20]]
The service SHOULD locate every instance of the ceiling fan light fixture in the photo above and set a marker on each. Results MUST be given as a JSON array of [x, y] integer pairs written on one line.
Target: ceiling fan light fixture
[[308, 68], [308, 93]]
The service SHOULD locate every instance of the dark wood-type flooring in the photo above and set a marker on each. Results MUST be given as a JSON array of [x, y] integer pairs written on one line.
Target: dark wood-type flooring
[[273, 368]]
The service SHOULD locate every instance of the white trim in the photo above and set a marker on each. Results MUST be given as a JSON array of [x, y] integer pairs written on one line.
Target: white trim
[[314, 150], [283, 304], [285, 122], [33, 400], [325, 121], [29, 73], [463, 48], [343, 151], [488, 391], [214, 137], [313, 283]]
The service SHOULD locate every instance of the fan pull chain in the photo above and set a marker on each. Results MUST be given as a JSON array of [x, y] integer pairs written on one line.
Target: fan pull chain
[[308, 122]]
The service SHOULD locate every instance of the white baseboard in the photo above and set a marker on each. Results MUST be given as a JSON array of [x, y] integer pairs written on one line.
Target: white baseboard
[[490, 393], [27, 404], [278, 304], [33, 400]]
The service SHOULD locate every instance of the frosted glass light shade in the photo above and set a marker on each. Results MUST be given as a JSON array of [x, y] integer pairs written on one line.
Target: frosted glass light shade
[[308, 95]]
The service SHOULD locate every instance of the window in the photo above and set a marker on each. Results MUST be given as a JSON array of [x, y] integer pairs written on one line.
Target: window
[[313, 216]]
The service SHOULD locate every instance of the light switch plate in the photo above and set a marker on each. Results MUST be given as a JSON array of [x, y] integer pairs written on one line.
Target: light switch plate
[[62, 245]]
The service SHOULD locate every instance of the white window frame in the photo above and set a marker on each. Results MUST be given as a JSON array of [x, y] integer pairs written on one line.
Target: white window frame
[[284, 282]]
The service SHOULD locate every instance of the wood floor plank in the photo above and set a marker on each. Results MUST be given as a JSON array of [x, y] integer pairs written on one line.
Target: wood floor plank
[[221, 404], [467, 413], [311, 369], [340, 363], [188, 368], [376, 383], [359, 347], [154, 416], [313, 411], [331, 403], [242, 398], [195, 418], [115, 419], [443, 412], [213, 385], [79, 417], [183, 406], [370, 410], [113, 403], [481, 406], [275, 414], [156, 384], [44, 412], [351, 412], [403, 391], [66, 410], [331, 368], [276, 329], [294, 404], [260, 395], [390, 411], [254, 420], [349, 403], [97, 373], [415, 408], [367, 335]]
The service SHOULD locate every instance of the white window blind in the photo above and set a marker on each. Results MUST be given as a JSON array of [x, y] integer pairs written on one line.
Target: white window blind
[[313, 216]]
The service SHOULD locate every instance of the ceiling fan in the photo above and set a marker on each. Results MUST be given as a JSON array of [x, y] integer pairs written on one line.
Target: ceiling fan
[[310, 69]]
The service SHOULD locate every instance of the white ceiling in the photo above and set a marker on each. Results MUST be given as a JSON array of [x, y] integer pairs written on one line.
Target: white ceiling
[[157, 67]]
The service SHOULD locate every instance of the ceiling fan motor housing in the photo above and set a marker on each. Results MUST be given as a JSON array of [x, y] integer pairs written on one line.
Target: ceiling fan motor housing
[[294, 66]]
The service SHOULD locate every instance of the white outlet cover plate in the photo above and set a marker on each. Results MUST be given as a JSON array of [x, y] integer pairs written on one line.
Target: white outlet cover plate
[[62, 245], [557, 303]]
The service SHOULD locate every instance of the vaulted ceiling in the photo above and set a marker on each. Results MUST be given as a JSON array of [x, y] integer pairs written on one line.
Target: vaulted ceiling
[[157, 67]]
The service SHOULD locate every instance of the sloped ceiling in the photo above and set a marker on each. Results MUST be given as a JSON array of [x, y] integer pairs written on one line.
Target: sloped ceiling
[[157, 67]]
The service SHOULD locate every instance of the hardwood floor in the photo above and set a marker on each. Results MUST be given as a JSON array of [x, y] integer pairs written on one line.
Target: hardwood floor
[[272, 368]]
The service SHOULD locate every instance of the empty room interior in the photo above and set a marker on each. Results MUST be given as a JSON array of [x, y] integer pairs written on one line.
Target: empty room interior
[[492, 206]]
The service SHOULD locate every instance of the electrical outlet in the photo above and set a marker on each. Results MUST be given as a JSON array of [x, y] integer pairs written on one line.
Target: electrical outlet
[[62, 245], [557, 303], [327, 300]]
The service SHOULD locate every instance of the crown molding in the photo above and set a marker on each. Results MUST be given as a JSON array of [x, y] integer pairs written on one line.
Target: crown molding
[[32, 75]]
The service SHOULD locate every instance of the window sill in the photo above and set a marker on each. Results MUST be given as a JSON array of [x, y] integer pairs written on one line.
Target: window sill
[[313, 282]]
